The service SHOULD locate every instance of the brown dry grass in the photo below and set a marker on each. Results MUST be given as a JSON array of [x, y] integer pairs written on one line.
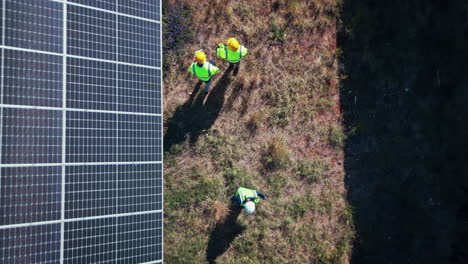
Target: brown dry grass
[[286, 90]]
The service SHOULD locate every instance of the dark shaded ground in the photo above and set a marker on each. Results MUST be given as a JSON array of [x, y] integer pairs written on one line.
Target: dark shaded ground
[[405, 104], [223, 234], [193, 118]]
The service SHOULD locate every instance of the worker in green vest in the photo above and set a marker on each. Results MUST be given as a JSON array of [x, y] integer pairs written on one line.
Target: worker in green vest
[[202, 69], [232, 53], [247, 198]]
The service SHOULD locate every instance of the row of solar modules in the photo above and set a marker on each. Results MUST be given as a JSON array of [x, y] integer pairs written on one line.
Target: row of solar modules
[[38, 25], [35, 79], [89, 191], [31, 136], [127, 239]]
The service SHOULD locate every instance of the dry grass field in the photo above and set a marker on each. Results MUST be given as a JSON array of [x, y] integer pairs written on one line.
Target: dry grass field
[[275, 127]]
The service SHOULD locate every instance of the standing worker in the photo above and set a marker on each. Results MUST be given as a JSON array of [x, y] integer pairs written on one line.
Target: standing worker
[[247, 198], [232, 53], [202, 69]]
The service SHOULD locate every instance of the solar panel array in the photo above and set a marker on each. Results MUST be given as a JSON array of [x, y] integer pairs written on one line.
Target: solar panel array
[[81, 131]]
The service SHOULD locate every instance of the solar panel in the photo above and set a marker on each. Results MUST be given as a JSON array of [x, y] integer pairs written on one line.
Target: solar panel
[[81, 131]]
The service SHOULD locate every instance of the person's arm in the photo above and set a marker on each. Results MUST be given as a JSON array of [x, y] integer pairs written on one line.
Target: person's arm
[[244, 51], [214, 70], [261, 195], [220, 51]]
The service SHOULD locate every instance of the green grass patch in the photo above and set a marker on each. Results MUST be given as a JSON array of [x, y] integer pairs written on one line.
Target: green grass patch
[[312, 170], [203, 189], [277, 182], [280, 116], [184, 246], [298, 206], [336, 137], [277, 33], [219, 146], [235, 176]]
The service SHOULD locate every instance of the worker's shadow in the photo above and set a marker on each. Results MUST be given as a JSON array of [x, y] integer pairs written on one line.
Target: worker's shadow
[[178, 126], [193, 118], [223, 234], [233, 69]]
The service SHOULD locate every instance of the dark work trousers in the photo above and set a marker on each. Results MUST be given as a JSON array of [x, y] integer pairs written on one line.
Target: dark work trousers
[[235, 67], [208, 83]]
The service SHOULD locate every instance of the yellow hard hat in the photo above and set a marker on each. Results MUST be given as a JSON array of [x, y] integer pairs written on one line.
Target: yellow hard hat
[[200, 56], [233, 44]]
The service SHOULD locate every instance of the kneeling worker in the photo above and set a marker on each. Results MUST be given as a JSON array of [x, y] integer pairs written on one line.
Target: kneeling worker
[[202, 69], [233, 53], [247, 198]]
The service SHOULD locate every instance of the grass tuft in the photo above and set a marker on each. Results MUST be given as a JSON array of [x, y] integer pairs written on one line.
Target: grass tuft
[[323, 104], [311, 170], [277, 155], [336, 137], [294, 6], [256, 121], [205, 189], [277, 33], [301, 205], [234, 176], [280, 116], [277, 182]]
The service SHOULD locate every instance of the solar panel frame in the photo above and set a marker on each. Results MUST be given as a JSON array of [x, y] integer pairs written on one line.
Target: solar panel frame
[[101, 4], [137, 78], [141, 8]]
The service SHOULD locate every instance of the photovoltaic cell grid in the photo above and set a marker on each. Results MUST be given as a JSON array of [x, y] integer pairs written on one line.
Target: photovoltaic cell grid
[[148, 9], [30, 244], [91, 33], [31, 136], [127, 239], [34, 24], [112, 189], [33, 197], [80, 131], [108, 86], [32, 79]]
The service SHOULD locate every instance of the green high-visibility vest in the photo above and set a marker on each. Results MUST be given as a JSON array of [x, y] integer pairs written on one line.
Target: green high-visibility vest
[[205, 72], [245, 193], [231, 56]]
